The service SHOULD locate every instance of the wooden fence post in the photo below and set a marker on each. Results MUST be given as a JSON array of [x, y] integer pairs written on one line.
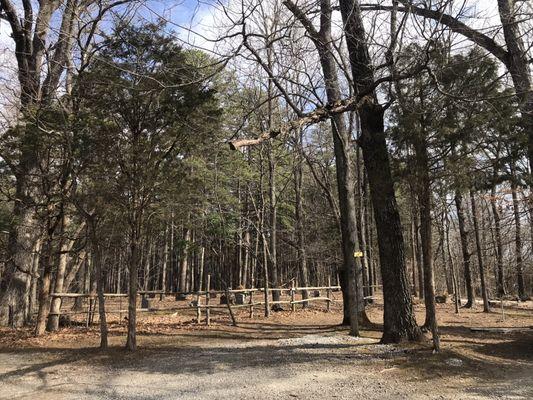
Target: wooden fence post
[[88, 312], [251, 302], [328, 293], [228, 304], [198, 309], [293, 304], [267, 305], [207, 296]]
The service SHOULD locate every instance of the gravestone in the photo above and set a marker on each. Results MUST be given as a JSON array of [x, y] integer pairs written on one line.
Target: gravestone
[[240, 298], [146, 303]]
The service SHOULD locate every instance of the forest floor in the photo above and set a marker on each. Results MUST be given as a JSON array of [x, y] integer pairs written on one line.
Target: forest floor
[[300, 355]]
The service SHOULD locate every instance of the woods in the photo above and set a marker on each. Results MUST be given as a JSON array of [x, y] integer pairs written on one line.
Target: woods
[[386, 148]]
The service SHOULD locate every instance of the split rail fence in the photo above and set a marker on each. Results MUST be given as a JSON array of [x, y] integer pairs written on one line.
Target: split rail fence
[[203, 300]]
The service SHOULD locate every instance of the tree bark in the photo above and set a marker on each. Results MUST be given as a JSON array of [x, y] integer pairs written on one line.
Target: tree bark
[[273, 222], [399, 320], [426, 234], [518, 241], [351, 268], [135, 233], [64, 257], [184, 261], [45, 280], [463, 233], [21, 240], [299, 217], [500, 283], [100, 280], [479, 250]]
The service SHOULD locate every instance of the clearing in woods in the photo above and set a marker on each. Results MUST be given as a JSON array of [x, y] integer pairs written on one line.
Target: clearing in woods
[[301, 355]]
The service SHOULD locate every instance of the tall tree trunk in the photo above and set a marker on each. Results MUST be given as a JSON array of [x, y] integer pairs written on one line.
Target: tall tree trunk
[[414, 257], [273, 214], [426, 234], [135, 243], [500, 284], [518, 241], [246, 263], [518, 65], [419, 256], [351, 267], [164, 264], [299, 217], [22, 237], [96, 253], [45, 282], [463, 233], [456, 287], [64, 257], [399, 319], [32, 295], [184, 262], [479, 250], [23, 232]]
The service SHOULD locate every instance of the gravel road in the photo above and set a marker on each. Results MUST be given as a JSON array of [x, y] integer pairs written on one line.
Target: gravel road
[[320, 366]]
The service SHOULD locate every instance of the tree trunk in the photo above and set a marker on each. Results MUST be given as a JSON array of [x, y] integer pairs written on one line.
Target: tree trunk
[[479, 250], [518, 65], [21, 240], [518, 242], [135, 233], [463, 233], [399, 319], [299, 217], [426, 234], [456, 288], [351, 268], [45, 282], [164, 264], [419, 256], [184, 262], [500, 282], [32, 295], [64, 257], [246, 262], [273, 214], [414, 258], [100, 280]]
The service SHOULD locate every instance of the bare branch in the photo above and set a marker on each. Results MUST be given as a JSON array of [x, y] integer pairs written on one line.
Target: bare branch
[[451, 22]]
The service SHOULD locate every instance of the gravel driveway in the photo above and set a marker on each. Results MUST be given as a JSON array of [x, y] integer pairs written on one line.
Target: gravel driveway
[[319, 366]]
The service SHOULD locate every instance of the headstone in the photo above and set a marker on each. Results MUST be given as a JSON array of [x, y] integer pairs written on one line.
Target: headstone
[[240, 298], [146, 303]]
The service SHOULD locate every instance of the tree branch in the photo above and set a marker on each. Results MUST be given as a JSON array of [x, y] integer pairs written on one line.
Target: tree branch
[[451, 22], [317, 115]]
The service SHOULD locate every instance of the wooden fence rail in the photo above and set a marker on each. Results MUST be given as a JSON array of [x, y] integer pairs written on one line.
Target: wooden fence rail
[[206, 295]]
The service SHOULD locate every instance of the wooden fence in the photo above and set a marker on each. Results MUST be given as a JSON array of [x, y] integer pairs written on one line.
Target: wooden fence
[[202, 300]]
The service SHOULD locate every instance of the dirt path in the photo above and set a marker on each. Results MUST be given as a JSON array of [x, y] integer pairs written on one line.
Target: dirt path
[[301, 356]]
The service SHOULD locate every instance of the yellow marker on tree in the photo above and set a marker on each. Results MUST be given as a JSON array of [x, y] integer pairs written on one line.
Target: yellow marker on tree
[[358, 254]]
